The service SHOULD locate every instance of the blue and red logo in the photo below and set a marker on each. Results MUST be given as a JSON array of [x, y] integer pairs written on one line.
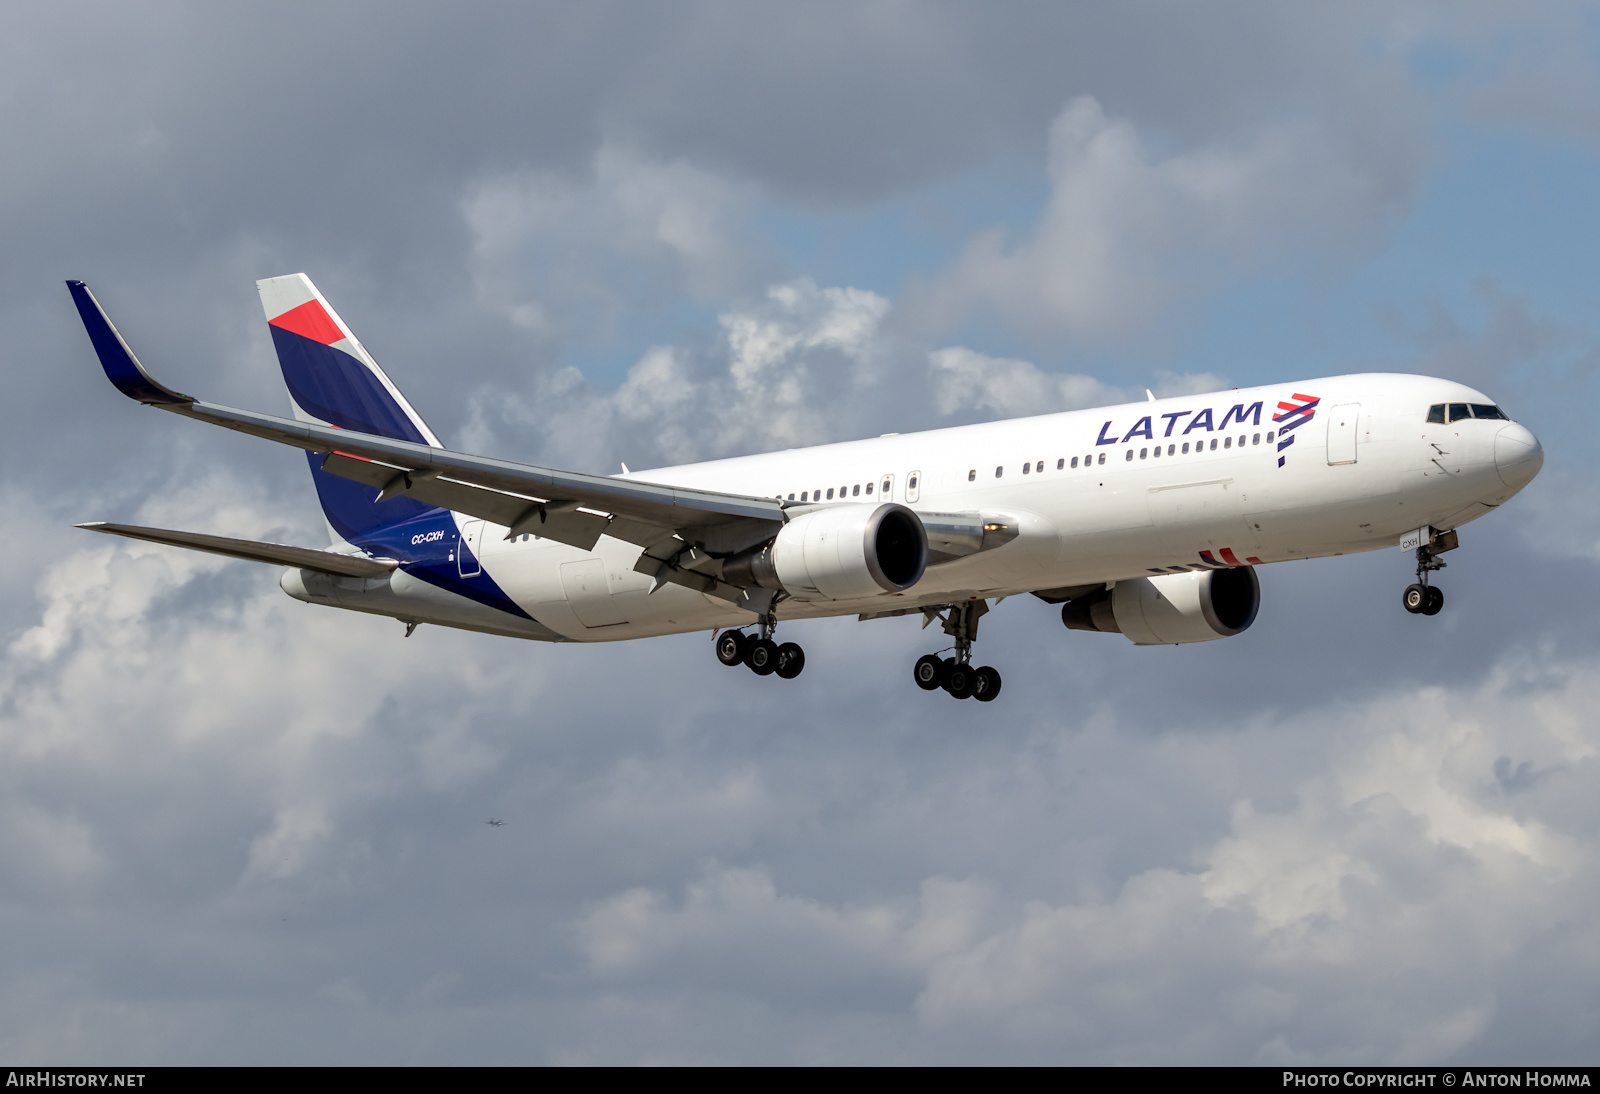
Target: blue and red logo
[[1292, 416]]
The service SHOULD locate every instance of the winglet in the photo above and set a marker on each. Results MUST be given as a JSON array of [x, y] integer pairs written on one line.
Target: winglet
[[122, 367]]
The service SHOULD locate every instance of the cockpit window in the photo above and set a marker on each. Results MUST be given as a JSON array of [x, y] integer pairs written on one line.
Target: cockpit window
[[1481, 411], [1436, 413], [1459, 411]]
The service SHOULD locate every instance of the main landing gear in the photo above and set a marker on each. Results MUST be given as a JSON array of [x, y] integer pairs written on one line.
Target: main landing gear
[[1422, 598], [956, 674], [764, 656]]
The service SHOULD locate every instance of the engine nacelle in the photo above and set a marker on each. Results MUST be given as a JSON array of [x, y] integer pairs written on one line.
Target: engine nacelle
[[842, 552], [1172, 609]]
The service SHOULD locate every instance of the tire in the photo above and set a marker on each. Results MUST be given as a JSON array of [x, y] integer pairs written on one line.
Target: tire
[[958, 681], [763, 657], [929, 672], [1415, 599], [986, 685], [732, 646], [791, 661], [1435, 601]]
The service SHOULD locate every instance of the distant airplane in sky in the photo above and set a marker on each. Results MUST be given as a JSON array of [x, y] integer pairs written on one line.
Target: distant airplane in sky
[[1146, 519], [494, 822]]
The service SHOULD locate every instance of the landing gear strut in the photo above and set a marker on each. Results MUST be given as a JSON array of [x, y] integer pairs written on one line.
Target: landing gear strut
[[956, 674], [761, 654], [1422, 598]]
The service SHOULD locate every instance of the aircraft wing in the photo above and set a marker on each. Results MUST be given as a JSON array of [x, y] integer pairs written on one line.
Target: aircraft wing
[[567, 506], [279, 554]]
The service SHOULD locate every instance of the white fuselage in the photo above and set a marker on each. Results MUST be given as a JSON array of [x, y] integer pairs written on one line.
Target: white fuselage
[[1107, 495]]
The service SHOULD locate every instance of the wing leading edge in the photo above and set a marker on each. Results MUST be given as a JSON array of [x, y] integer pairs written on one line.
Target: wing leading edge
[[567, 506]]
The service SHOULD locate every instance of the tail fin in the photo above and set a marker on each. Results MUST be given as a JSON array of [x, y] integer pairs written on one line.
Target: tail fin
[[332, 379]]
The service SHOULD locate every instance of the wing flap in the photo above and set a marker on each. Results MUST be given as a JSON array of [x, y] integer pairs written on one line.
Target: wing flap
[[509, 511], [277, 554]]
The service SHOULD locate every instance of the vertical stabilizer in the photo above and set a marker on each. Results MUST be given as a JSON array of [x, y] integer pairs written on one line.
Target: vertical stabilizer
[[332, 379]]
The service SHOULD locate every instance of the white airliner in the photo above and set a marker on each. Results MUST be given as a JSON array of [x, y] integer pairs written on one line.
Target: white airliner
[[1145, 519]]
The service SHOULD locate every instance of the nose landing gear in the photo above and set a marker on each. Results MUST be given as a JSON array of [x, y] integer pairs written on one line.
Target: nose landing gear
[[1422, 598], [956, 674], [762, 655]]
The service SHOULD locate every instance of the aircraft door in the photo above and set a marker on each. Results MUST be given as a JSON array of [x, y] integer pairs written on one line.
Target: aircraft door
[[1343, 421], [913, 486], [587, 592], [886, 488], [467, 551]]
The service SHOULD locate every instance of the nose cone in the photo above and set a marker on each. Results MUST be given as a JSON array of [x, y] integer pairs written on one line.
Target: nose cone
[[1517, 456]]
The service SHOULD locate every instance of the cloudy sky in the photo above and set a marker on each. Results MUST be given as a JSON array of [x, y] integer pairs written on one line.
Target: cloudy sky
[[237, 829]]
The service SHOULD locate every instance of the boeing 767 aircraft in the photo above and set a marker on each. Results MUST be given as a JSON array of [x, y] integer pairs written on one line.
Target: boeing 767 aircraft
[[1145, 519]]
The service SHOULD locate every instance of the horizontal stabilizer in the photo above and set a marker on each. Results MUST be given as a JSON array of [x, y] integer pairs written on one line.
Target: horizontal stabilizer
[[277, 554]]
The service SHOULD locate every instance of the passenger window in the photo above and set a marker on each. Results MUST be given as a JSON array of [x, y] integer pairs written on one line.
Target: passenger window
[[830, 495], [1142, 452], [1227, 442], [1436, 413], [1061, 464], [1270, 435], [855, 491], [1213, 444], [1255, 438], [869, 489], [791, 497], [1157, 451], [1129, 456], [1459, 411], [1481, 411], [1040, 468], [1026, 468], [802, 495], [911, 483], [1185, 448], [1102, 459], [999, 471], [972, 476], [1074, 461], [887, 481]]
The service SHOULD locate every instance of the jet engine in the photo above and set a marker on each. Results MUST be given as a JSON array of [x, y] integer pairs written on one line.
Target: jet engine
[[841, 552], [1172, 609]]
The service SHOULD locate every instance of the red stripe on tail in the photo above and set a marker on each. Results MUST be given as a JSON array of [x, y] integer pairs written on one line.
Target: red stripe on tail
[[310, 320]]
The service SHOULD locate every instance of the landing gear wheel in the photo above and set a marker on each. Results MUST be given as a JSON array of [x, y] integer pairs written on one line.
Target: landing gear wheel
[[732, 647], [1416, 599], [929, 672], [763, 657], [985, 685], [791, 660], [1435, 601], [959, 681]]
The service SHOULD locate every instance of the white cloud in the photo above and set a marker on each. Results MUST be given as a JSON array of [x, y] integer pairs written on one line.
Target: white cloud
[[1379, 915], [964, 379], [1125, 230], [796, 368]]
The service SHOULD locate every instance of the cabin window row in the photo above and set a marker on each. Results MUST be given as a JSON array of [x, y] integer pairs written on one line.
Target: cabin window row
[[854, 491], [1144, 453], [858, 489]]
